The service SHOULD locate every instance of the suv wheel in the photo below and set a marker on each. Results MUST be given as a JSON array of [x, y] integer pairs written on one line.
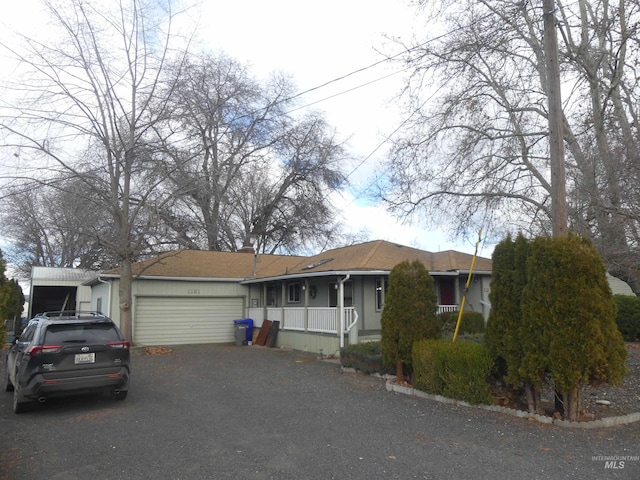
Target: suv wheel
[[20, 403]]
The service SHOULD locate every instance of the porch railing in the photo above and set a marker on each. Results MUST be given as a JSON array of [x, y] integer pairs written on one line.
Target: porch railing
[[318, 319], [323, 319], [315, 319], [448, 308]]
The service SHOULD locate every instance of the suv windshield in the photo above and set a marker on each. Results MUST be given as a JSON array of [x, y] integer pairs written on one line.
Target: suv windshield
[[88, 333]]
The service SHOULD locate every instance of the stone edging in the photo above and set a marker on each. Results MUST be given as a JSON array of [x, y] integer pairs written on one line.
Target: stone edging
[[603, 422]]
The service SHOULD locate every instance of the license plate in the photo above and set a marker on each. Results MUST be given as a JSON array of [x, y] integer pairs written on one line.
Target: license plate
[[85, 358]]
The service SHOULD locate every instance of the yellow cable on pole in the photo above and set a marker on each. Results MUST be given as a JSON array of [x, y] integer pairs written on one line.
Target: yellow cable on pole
[[466, 288]]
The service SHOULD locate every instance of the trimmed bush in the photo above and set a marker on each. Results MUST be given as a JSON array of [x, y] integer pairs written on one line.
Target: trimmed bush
[[471, 323], [409, 314], [456, 370], [503, 335], [11, 300], [568, 320], [428, 362], [365, 357], [3, 334], [628, 317]]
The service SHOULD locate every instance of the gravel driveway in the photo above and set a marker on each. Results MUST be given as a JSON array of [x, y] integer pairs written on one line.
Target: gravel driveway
[[222, 411]]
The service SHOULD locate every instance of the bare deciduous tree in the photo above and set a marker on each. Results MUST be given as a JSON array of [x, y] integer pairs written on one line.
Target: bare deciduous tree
[[55, 225], [242, 165], [87, 104], [480, 148]]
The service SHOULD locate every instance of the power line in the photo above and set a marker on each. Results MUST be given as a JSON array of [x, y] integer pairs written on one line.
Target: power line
[[404, 122], [359, 70], [387, 138], [374, 64], [348, 90]]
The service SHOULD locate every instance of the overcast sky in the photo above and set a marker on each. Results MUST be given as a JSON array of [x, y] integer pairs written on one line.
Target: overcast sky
[[316, 43]]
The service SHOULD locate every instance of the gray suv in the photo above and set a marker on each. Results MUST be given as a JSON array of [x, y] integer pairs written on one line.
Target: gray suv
[[67, 353]]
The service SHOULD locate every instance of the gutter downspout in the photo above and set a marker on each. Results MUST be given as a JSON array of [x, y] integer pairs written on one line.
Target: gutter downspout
[[341, 304], [108, 314]]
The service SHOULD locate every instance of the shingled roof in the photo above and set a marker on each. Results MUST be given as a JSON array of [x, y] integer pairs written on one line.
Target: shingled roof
[[383, 255], [208, 264], [377, 255]]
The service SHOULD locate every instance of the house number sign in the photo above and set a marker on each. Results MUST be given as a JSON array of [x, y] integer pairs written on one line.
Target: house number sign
[[193, 291]]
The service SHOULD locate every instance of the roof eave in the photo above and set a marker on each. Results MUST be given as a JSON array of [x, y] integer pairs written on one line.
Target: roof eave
[[328, 273], [112, 276], [476, 272], [342, 273]]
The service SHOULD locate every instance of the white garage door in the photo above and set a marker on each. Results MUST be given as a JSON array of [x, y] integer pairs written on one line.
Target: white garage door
[[176, 320]]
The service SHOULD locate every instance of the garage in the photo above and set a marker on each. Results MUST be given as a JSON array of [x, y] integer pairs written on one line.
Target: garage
[[185, 320]]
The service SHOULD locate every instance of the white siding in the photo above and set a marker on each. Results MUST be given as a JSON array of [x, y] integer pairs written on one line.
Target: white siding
[[143, 288], [619, 287], [60, 276], [186, 320]]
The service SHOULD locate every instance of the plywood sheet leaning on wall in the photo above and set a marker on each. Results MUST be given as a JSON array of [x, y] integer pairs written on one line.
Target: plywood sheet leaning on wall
[[261, 339]]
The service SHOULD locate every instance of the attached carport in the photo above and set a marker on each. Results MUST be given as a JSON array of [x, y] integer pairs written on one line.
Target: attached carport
[[185, 320], [54, 289]]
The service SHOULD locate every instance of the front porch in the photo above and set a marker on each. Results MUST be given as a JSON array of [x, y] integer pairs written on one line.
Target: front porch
[[319, 329]]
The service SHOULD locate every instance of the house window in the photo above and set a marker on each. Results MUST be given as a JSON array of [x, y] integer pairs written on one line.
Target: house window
[[272, 295], [294, 293], [348, 294], [382, 285]]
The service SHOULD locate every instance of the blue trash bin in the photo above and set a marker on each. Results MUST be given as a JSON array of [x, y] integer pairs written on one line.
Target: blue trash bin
[[249, 323]]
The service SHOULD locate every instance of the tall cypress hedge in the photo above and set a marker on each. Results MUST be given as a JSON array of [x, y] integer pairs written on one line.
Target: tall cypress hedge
[[11, 299], [409, 315], [628, 318], [503, 325], [553, 317], [568, 319], [505, 333]]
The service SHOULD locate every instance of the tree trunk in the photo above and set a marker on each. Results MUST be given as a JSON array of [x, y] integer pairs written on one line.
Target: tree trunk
[[399, 374], [534, 401], [571, 405], [124, 291]]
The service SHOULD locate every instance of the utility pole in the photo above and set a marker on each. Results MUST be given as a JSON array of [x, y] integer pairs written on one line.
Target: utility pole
[[556, 146], [559, 216]]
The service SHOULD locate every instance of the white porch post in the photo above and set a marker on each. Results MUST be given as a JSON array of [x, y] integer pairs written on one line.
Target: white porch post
[[341, 308], [284, 297], [306, 305]]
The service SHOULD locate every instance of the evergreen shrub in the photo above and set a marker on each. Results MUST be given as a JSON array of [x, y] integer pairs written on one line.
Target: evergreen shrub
[[428, 363], [471, 323], [409, 315], [456, 370], [504, 334], [365, 357], [568, 320], [3, 334], [628, 317]]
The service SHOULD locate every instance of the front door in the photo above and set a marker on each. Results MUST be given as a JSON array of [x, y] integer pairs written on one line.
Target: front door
[[447, 291]]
